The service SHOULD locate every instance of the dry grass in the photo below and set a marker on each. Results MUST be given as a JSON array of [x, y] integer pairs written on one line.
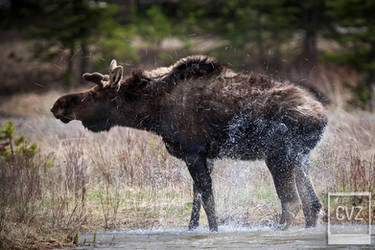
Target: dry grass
[[125, 179], [345, 159]]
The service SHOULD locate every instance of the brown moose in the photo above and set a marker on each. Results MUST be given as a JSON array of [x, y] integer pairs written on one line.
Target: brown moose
[[205, 111]]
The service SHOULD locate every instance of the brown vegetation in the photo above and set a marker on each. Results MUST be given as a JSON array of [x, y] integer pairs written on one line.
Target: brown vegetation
[[153, 189], [21, 72]]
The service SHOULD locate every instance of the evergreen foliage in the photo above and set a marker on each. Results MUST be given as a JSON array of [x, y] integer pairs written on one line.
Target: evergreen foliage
[[267, 35]]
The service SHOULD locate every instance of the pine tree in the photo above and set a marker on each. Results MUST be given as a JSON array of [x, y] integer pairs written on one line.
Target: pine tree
[[354, 30], [63, 24]]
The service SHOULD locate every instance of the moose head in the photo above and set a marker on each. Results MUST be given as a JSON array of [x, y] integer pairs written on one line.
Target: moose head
[[95, 106]]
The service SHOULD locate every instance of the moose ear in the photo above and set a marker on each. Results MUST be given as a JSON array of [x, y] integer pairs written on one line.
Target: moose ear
[[95, 77]]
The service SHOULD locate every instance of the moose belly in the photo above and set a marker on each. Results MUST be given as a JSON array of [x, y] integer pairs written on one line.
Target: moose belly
[[242, 139], [251, 139]]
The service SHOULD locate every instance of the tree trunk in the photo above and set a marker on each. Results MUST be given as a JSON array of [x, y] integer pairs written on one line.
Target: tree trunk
[[69, 69], [371, 88], [259, 37], [370, 81], [310, 50], [276, 55], [84, 58]]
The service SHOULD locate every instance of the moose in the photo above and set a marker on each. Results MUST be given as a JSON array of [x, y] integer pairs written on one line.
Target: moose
[[204, 111]]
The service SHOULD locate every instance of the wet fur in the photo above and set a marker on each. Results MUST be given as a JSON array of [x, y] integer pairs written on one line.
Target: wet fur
[[203, 110], [233, 115]]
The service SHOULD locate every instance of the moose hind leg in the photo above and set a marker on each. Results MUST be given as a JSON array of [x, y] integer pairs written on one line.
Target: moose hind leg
[[195, 212], [310, 201], [200, 173], [283, 177]]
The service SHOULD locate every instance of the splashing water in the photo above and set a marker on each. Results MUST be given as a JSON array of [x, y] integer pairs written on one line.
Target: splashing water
[[227, 238]]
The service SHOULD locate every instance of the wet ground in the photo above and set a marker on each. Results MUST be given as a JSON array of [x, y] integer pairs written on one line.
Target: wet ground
[[227, 238]]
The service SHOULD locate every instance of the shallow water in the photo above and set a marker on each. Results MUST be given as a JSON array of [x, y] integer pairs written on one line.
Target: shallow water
[[227, 238]]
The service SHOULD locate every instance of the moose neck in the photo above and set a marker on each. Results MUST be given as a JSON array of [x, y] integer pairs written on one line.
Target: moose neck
[[140, 115]]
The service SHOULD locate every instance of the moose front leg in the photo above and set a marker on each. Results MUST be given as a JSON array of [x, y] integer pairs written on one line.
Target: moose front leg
[[200, 172], [194, 220], [195, 212]]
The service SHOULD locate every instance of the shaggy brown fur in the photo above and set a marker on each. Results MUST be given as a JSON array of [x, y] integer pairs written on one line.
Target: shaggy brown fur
[[204, 111]]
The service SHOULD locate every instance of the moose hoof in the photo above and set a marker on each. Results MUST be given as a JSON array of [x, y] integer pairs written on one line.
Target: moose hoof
[[193, 226], [311, 218], [312, 221]]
